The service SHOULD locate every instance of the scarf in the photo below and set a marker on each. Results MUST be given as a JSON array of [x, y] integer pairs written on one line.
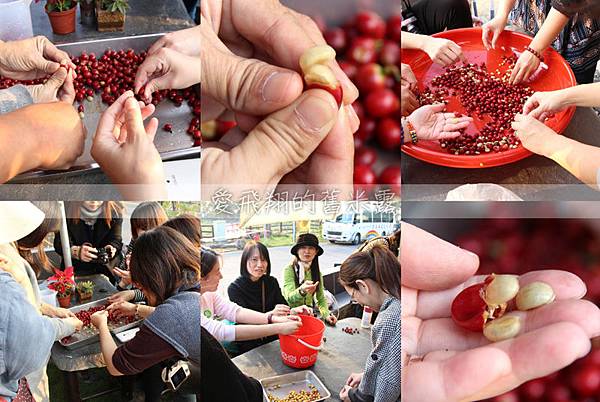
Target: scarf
[[90, 217]]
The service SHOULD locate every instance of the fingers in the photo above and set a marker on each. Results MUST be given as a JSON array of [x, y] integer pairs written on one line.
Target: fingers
[[457, 52], [287, 137], [531, 104], [447, 267], [495, 37], [156, 46], [54, 54], [248, 85], [67, 92], [133, 119], [111, 115]]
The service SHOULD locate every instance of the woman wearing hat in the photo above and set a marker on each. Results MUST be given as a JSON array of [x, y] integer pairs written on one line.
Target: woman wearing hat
[[302, 279]]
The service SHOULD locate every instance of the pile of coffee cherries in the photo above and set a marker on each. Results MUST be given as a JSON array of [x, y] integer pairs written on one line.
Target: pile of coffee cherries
[[489, 97], [86, 316], [517, 246], [368, 51], [112, 74], [311, 395], [351, 330]]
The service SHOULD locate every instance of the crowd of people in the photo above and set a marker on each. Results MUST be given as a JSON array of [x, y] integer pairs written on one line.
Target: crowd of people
[[571, 27]]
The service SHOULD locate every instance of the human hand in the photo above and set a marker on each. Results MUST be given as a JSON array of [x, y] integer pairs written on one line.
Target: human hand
[[331, 319], [551, 337], [533, 134], [306, 142], [289, 327], [495, 26], [125, 150], [431, 123], [354, 379], [443, 51], [59, 87], [31, 58], [185, 41], [407, 77], [123, 296], [543, 104], [250, 57], [284, 318], [281, 309], [309, 287], [166, 69], [526, 65], [74, 322], [99, 318], [88, 253], [112, 251], [60, 312], [302, 310], [408, 101], [122, 309], [124, 275], [344, 394]]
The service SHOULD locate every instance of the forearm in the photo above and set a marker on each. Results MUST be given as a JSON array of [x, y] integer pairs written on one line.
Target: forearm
[[247, 316], [412, 41], [504, 8], [581, 160], [248, 332], [554, 23], [18, 149], [108, 348], [586, 95], [144, 311]]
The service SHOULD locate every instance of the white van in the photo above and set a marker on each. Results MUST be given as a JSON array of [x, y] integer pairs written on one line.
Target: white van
[[354, 227]]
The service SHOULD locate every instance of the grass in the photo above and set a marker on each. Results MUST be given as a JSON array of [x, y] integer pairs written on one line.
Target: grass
[[283, 240]]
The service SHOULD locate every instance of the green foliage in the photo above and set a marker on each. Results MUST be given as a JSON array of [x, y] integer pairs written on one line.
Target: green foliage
[[115, 6]]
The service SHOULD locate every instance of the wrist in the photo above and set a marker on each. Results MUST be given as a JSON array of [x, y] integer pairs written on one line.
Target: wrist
[[270, 318]]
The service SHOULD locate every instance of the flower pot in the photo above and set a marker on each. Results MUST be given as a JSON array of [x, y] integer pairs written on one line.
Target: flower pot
[[85, 296], [63, 22], [87, 12], [109, 21], [64, 301]]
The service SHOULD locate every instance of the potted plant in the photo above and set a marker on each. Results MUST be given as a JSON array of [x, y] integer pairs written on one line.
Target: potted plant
[[85, 290], [88, 11], [111, 15], [62, 282], [62, 15]]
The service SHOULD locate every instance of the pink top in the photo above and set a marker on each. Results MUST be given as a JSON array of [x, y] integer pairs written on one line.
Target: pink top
[[214, 308]]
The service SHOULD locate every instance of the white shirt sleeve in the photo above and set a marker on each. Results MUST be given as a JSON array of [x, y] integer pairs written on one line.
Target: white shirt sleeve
[[218, 329]]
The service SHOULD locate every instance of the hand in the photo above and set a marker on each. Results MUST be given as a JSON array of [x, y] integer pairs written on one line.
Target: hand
[[31, 58], [59, 312], [290, 327], [302, 310], [123, 296], [542, 104], [309, 287], [99, 318], [354, 379], [59, 87], [281, 309], [443, 51], [331, 319], [408, 101], [534, 135], [443, 362], [284, 318], [186, 41], [526, 65], [431, 123], [122, 309], [74, 322], [407, 77], [124, 275], [166, 69], [494, 27], [88, 253], [112, 251], [125, 150], [344, 394]]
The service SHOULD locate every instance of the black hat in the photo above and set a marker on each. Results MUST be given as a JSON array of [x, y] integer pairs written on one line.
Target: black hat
[[307, 239]]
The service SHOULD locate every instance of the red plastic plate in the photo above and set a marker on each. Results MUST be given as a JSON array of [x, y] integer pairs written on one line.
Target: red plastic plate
[[559, 75]]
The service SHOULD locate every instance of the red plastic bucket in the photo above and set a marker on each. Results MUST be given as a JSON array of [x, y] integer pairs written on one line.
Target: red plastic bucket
[[300, 349]]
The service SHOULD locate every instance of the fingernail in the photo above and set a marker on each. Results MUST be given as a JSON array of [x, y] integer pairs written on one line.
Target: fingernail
[[274, 87], [352, 118], [314, 113]]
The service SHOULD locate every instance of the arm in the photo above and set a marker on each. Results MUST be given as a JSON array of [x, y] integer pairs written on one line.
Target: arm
[[586, 95], [554, 23], [248, 332], [108, 348], [412, 41], [581, 160], [279, 299], [247, 316], [504, 9], [290, 291]]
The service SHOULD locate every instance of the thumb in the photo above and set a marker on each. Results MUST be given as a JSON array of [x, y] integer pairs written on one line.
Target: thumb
[[437, 107], [248, 85], [47, 66], [133, 120], [495, 38], [57, 79], [288, 137]]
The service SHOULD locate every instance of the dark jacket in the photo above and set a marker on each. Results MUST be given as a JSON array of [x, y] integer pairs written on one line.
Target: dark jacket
[[261, 296], [572, 7], [99, 236], [222, 380]]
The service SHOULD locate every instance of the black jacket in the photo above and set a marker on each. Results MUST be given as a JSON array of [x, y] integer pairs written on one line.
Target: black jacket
[[261, 296], [222, 380], [99, 236]]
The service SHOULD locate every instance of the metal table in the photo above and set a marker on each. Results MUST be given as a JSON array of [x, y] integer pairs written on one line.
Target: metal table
[[535, 178], [342, 355], [143, 17], [87, 357]]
